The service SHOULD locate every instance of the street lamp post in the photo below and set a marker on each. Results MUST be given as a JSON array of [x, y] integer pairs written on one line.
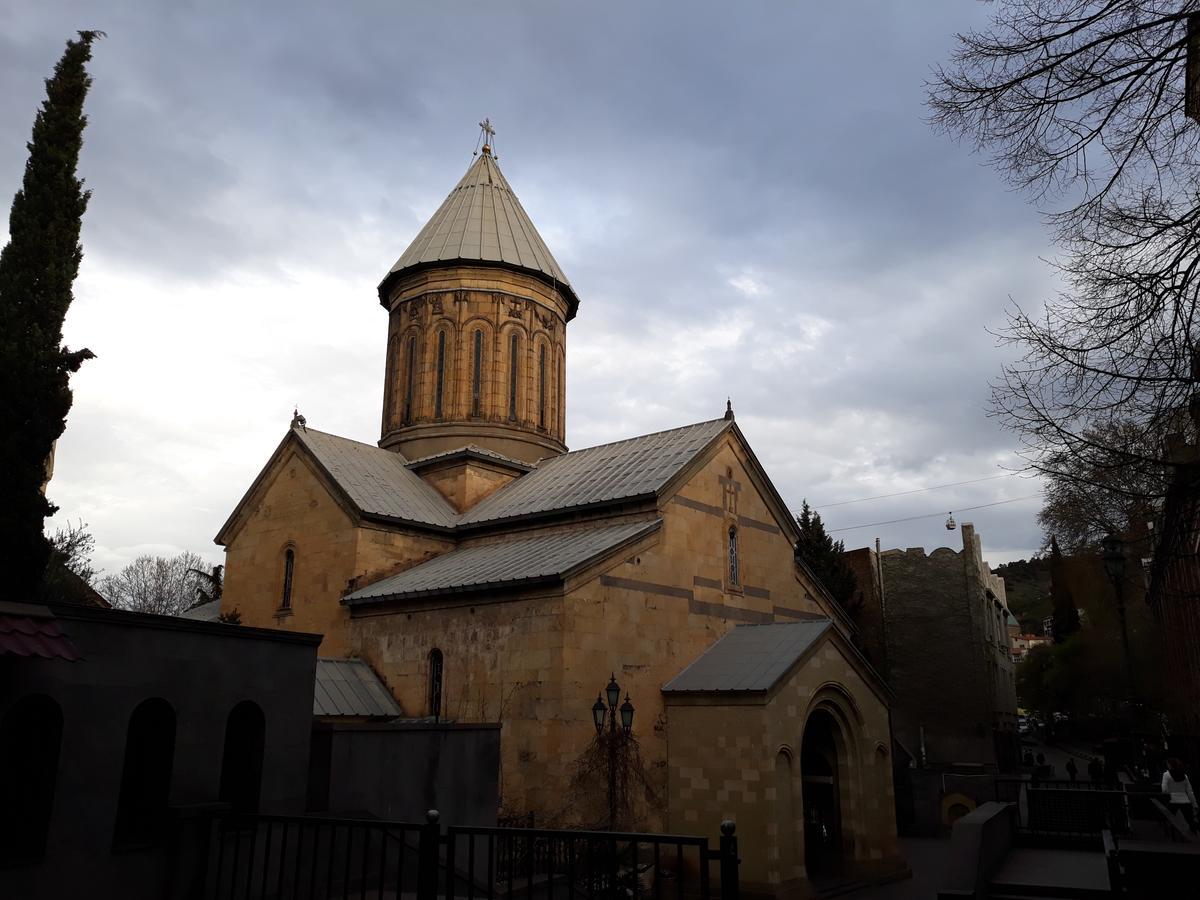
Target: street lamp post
[[1115, 563], [600, 711]]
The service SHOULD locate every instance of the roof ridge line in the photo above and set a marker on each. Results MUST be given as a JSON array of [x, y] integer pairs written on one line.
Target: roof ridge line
[[639, 437]]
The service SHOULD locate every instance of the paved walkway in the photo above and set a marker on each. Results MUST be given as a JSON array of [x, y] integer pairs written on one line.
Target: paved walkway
[[927, 859], [1060, 869]]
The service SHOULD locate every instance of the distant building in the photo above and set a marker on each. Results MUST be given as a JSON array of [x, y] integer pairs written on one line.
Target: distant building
[[958, 704]]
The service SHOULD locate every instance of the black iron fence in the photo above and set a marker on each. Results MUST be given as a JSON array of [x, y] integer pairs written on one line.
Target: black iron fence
[[304, 858], [1066, 809]]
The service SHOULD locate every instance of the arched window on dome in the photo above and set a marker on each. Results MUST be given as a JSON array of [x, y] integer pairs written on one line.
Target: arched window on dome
[[440, 383], [513, 356], [542, 387], [735, 574], [410, 373], [477, 373], [562, 394]]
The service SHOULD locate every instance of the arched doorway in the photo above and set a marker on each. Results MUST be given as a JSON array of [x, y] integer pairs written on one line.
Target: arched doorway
[[242, 763], [819, 773]]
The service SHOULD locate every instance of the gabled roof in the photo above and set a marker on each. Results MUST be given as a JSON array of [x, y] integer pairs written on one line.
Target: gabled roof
[[637, 467], [470, 451], [750, 658], [377, 481], [482, 222], [547, 557], [349, 687], [374, 481], [205, 612]]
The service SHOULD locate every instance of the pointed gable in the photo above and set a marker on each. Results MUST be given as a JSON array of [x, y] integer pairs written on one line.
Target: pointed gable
[[482, 222], [625, 470]]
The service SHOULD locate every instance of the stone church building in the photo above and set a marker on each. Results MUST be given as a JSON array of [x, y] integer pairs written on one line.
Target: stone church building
[[489, 575]]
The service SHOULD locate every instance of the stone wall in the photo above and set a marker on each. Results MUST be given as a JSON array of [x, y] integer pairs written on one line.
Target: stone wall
[[458, 301], [725, 763], [948, 656], [295, 508], [536, 663], [869, 613]]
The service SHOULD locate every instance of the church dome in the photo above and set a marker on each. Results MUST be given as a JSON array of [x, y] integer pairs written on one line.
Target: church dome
[[477, 319], [482, 222]]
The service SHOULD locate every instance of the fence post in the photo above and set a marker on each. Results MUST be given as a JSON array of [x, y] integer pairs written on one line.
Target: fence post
[[427, 856], [729, 861]]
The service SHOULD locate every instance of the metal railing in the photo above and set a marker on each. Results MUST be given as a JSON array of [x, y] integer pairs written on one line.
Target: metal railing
[[1066, 809], [304, 858]]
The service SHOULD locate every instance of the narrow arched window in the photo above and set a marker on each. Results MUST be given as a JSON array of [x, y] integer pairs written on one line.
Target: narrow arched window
[[512, 377], [146, 774], [562, 396], [289, 567], [435, 683], [242, 762], [542, 387], [440, 383], [30, 741], [410, 373], [734, 562], [477, 373]]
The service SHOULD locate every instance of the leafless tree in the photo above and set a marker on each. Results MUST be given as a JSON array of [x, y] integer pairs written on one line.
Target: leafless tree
[[1099, 492], [154, 584], [1082, 103]]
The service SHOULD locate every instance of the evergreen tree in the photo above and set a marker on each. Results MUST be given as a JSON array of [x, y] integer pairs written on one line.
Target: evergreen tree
[[37, 270], [824, 556], [1066, 614]]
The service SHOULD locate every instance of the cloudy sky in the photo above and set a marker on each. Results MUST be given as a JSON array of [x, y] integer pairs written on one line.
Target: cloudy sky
[[747, 199]]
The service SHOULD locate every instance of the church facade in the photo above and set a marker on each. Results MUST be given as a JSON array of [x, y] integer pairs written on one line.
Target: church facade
[[489, 575]]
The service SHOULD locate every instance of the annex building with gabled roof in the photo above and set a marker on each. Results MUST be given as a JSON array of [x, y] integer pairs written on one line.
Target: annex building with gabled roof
[[485, 573]]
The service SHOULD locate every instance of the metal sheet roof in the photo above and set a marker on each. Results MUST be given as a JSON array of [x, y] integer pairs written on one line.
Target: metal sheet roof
[[349, 687], [378, 481], [625, 469], [35, 636], [505, 563], [470, 450], [205, 612], [750, 657], [482, 221]]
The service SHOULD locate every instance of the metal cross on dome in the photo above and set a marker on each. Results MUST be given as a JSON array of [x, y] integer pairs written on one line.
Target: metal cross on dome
[[486, 134]]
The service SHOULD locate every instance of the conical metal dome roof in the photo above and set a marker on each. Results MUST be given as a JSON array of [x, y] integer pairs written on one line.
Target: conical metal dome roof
[[482, 223]]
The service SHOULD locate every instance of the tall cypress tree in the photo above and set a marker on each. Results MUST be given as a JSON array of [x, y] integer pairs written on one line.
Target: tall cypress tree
[[824, 556], [37, 270], [1066, 615]]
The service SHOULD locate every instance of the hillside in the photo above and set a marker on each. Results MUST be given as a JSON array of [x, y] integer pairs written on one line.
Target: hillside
[[1027, 585]]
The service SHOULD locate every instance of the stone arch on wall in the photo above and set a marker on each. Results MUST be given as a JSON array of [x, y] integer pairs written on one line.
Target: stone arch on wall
[[542, 383], [788, 829], [512, 368], [30, 746], [242, 758], [391, 370], [561, 362], [831, 779], [440, 390], [408, 376], [485, 407]]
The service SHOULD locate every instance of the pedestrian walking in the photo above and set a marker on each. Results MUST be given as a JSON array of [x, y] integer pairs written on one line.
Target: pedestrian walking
[[1096, 770], [1177, 787], [1072, 769]]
